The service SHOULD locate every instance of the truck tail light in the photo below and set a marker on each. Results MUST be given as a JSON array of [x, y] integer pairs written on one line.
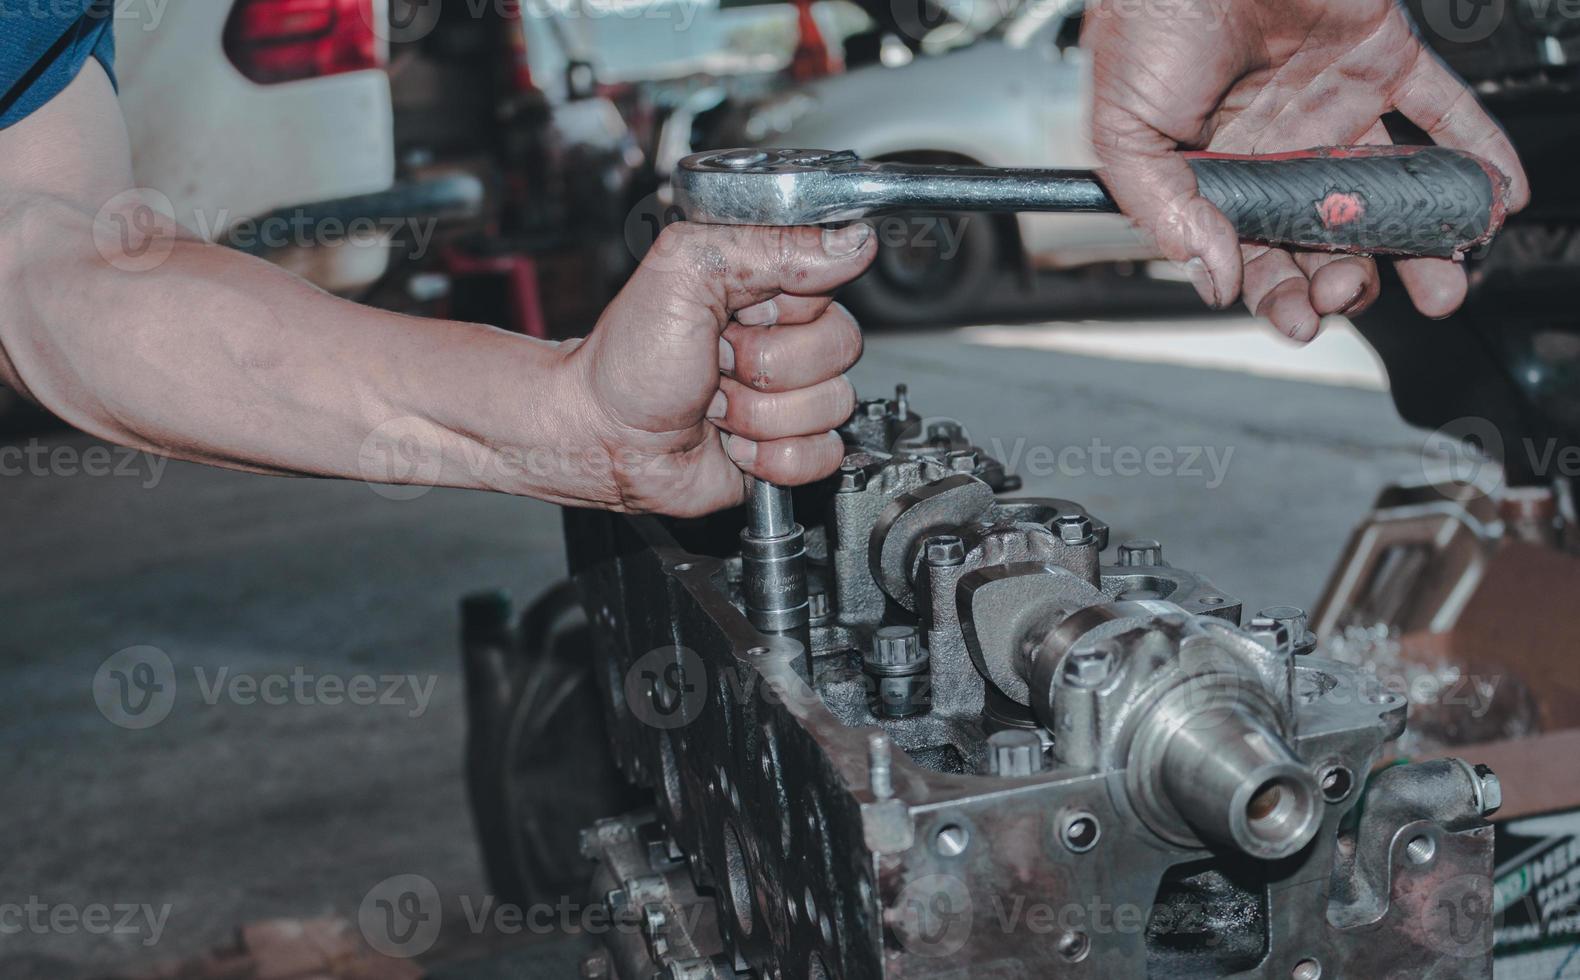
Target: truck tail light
[[284, 40]]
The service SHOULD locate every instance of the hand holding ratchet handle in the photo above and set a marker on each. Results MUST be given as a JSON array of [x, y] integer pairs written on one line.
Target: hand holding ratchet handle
[[1385, 200]]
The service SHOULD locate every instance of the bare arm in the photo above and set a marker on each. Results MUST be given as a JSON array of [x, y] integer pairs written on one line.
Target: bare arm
[[212, 356]]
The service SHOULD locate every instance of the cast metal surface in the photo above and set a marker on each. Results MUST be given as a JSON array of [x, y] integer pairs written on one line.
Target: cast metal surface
[[1090, 769]]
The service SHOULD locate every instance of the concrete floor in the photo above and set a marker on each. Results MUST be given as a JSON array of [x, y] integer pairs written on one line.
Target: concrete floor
[[233, 812]]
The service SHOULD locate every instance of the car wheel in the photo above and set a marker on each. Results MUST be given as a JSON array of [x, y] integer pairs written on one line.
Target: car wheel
[[931, 268]]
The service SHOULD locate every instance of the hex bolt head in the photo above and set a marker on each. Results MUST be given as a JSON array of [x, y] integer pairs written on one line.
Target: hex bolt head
[[877, 409], [962, 460], [1293, 620], [1491, 791], [1014, 752], [1140, 552], [1073, 528], [615, 899], [654, 919], [895, 646], [1270, 633], [595, 966], [1090, 666], [944, 550], [852, 478]]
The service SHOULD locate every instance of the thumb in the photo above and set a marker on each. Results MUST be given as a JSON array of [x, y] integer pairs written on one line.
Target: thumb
[[1155, 186]]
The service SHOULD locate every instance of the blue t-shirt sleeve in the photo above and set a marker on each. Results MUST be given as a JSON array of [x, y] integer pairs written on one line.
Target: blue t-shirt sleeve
[[44, 45]]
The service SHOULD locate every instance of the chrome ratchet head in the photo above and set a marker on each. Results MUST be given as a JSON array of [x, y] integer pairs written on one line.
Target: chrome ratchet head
[[808, 187], [753, 186]]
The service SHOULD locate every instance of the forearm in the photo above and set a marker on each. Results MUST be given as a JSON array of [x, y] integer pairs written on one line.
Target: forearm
[[220, 358]]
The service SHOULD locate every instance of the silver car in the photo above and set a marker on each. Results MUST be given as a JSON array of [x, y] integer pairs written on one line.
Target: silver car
[[1017, 95]]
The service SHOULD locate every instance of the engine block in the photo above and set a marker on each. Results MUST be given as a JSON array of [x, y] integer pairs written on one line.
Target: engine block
[[984, 752]]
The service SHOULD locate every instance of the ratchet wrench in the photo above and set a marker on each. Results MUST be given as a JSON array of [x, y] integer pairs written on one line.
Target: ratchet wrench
[[1390, 200], [1386, 200]]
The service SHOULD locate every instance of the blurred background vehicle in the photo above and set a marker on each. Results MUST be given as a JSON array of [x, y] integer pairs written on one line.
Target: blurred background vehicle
[[239, 110], [1013, 94]]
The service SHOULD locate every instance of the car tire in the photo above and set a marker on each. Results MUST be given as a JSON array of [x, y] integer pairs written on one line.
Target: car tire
[[931, 268]]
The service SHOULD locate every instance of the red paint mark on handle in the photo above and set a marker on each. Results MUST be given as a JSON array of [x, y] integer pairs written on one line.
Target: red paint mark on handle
[[1341, 208]]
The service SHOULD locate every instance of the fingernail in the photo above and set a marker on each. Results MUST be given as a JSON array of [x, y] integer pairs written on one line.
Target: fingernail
[[844, 241], [761, 314], [718, 406], [726, 355], [1201, 277], [743, 451], [1355, 301]]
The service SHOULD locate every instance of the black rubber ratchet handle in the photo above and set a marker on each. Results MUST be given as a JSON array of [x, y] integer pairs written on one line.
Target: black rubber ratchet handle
[[1389, 200], [1385, 200]]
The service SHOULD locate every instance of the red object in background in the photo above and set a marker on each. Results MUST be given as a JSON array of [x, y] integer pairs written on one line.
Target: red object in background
[[812, 58], [516, 45], [519, 274], [273, 41]]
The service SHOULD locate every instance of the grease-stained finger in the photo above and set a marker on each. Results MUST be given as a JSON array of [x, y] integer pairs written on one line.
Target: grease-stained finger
[[785, 357]]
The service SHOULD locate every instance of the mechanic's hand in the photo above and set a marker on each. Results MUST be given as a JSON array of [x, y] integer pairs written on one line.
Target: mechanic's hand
[[1262, 76], [724, 356]]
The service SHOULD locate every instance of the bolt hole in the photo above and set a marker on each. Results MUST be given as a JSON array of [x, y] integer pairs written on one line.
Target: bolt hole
[[1212, 600], [1080, 832], [1307, 969], [1336, 782], [951, 840], [758, 652], [1074, 946], [685, 566], [1421, 849]]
